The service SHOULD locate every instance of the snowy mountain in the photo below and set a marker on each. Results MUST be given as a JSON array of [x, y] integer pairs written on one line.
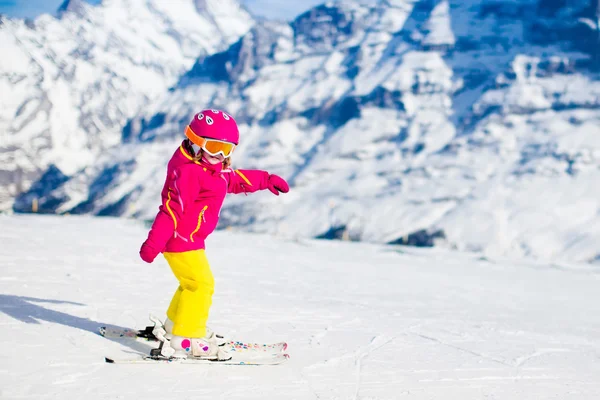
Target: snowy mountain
[[473, 125], [69, 84], [416, 323]]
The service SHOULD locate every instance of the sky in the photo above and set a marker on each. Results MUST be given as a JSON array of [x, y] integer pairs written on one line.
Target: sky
[[279, 9]]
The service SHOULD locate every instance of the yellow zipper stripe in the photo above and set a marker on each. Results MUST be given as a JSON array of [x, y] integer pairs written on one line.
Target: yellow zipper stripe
[[186, 155], [169, 208], [200, 217], [243, 177]]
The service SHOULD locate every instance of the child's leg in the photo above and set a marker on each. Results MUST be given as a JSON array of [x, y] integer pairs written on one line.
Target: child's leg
[[172, 311], [189, 307]]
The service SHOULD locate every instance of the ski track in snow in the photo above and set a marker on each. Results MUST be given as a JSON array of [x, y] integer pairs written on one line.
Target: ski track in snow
[[362, 322]]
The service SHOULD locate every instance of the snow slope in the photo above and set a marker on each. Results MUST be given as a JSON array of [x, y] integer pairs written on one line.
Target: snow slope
[[362, 321]]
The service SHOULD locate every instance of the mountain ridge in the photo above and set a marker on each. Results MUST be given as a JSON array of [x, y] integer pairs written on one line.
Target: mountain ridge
[[425, 122], [73, 81]]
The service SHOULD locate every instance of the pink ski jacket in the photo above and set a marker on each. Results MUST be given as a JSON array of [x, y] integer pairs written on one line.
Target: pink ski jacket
[[191, 202]]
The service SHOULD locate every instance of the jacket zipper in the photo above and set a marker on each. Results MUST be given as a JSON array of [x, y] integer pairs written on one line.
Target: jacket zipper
[[200, 220]]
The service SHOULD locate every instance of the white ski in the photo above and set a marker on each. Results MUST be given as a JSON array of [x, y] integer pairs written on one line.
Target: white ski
[[268, 360], [231, 346]]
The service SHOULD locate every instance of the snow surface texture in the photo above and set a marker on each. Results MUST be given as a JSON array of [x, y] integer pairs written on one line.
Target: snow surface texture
[[69, 84], [472, 125], [362, 321]]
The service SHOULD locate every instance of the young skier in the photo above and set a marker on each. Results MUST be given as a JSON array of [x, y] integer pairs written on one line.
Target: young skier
[[198, 178]]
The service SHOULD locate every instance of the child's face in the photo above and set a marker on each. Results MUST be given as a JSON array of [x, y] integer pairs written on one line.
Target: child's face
[[213, 159]]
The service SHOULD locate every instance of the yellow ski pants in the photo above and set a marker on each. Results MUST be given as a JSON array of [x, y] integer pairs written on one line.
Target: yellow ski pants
[[193, 298]]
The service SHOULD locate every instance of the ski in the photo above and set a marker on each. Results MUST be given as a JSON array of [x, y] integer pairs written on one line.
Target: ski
[[261, 348], [269, 360], [231, 346], [126, 333]]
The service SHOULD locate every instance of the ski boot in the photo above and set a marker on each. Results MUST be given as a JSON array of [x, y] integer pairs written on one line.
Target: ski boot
[[168, 331], [206, 348], [210, 347]]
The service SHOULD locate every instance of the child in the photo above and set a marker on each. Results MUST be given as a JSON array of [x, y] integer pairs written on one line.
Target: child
[[198, 178]]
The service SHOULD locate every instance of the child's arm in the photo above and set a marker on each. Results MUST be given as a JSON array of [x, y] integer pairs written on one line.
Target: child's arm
[[179, 191], [252, 180]]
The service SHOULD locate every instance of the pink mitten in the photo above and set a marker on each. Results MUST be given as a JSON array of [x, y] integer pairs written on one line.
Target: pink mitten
[[277, 184], [147, 253]]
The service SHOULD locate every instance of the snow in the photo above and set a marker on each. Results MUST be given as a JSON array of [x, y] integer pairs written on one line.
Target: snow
[[439, 26], [362, 321]]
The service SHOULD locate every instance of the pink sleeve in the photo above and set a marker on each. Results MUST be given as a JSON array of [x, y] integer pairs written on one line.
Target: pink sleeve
[[247, 181], [179, 191]]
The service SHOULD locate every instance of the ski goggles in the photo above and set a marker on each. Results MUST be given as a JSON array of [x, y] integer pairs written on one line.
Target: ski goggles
[[213, 147]]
